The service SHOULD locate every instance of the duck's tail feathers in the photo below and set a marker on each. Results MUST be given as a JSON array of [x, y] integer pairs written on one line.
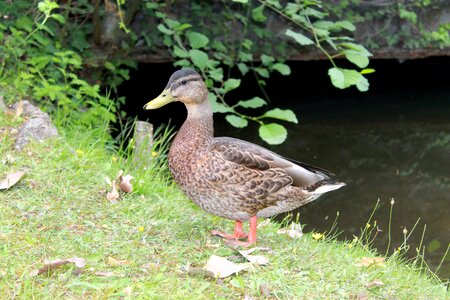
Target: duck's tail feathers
[[325, 186]]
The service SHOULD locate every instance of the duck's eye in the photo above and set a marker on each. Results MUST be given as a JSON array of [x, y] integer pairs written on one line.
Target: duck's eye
[[183, 82]]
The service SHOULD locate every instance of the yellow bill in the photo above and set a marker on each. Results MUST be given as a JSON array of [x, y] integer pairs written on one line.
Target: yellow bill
[[164, 98]]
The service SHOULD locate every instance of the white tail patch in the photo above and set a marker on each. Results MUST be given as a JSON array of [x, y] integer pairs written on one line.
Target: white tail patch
[[328, 188]]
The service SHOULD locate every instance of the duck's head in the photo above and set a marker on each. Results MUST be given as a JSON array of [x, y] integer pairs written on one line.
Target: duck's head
[[186, 86]]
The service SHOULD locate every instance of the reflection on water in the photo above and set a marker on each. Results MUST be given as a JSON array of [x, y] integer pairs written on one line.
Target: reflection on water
[[394, 150]]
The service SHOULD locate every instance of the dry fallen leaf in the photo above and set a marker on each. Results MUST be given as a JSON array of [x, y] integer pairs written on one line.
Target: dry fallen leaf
[[374, 283], [263, 223], [114, 194], [294, 231], [11, 179], [104, 273], [371, 261], [121, 183], [256, 259], [221, 267], [9, 159], [124, 183], [117, 262], [19, 110], [360, 296], [53, 264]]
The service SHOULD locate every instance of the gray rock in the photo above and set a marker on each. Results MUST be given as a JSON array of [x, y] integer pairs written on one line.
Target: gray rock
[[37, 127]]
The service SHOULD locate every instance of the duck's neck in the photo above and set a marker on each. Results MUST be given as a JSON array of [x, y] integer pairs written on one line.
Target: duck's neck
[[197, 131]]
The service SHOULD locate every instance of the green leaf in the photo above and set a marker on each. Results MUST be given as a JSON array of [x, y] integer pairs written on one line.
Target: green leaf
[[59, 18], [172, 23], [241, 1], [243, 68], [255, 102], [343, 78], [164, 29], [109, 66], [263, 72], [24, 23], [352, 77], [308, 11], [357, 58], [367, 71], [299, 38], [216, 74], [283, 69], [257, 14], [177, 51], [337, 77], [273, 133], [281, 114], [182, 63], [231, 84], [236, 121], [346, 25], [182, 27], [199, 58], [363, 84], [356, 47], [245, 56], [78, 40], [267, 59], [197, 40]]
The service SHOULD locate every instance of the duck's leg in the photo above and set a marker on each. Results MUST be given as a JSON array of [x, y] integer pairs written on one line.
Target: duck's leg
[[238, 232], [251, 235]]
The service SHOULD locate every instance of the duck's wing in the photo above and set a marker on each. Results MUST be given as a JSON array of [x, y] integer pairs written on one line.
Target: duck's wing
[[256, 157]]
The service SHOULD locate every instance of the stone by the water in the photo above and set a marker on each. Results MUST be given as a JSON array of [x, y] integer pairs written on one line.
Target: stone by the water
[[37, 127]]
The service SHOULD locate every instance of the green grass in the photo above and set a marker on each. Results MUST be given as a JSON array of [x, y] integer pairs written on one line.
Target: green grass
[[59, 210]]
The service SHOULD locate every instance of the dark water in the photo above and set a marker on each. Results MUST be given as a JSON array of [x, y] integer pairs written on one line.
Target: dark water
[[392, 142]]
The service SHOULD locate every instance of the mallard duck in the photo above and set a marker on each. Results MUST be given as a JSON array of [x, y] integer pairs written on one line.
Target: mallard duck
[[228, 177]]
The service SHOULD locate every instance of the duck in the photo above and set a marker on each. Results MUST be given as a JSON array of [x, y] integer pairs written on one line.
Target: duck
[[229, 177]]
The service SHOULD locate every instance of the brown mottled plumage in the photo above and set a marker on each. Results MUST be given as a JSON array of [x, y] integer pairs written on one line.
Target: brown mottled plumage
[[228, 177]]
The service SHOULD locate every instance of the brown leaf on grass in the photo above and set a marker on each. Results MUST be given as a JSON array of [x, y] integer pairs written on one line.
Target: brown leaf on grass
[[11, 179], [256, 259], [374, 283], [114, 194], [124, 183], [263, 223], [19, 110], [294, 231], [371, 261], [9, 159], [360, 296], [54, 264], [121, 183], [104, 273], [221, 267], [117, 262]]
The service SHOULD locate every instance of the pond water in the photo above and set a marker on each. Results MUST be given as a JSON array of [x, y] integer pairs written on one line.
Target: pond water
[[392, 142]]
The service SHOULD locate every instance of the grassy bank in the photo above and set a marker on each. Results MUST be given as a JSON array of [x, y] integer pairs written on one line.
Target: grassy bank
[[141, 246]]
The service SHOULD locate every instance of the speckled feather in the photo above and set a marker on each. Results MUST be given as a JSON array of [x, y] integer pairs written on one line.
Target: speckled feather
[[232, 178]]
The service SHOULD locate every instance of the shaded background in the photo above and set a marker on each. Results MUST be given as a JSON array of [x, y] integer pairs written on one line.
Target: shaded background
[[391, 142]]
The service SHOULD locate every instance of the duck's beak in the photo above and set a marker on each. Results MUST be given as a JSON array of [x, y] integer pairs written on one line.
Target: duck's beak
[[164, 98]]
